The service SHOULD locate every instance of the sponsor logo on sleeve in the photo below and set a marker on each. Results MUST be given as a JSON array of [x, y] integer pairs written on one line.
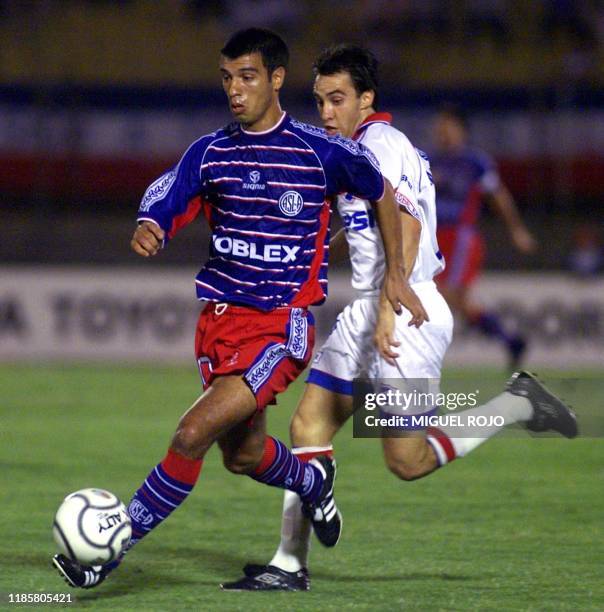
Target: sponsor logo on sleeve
[[403, 201], [157, 190]]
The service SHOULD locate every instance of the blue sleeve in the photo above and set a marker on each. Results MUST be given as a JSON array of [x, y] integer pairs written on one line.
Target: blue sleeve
[[169, 197], [488, 174], [484, 162], [352, 168]]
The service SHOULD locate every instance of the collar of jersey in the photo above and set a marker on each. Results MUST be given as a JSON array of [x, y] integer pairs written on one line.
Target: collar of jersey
[[276, 128], [373, 118]]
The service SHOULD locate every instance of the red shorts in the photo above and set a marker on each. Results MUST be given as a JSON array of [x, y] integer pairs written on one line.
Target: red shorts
[[463, 249], [269, 349]]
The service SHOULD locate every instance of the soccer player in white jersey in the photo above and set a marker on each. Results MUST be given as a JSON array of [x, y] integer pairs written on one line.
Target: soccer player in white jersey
[[345, 90]]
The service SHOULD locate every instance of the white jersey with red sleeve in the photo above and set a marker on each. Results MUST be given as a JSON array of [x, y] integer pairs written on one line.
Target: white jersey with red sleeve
[[408, 171]]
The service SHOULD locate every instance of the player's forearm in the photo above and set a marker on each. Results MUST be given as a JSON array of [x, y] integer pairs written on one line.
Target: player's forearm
[[503, 204], [389, 223]]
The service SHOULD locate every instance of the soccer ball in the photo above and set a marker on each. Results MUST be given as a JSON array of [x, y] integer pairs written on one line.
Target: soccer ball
[[92, 527]]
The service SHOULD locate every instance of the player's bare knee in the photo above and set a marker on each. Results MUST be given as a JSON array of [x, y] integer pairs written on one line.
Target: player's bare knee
[[189, 440]]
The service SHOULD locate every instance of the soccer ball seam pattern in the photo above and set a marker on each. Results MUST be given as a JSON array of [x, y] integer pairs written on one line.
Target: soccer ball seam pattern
[[92, 527]]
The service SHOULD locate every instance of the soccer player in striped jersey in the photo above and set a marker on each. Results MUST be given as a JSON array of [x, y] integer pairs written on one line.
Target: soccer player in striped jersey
[[464, 178], [345, 89], [265, 184]]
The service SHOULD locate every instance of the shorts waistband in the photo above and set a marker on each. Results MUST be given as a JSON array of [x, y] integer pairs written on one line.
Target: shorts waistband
[[220, 308]]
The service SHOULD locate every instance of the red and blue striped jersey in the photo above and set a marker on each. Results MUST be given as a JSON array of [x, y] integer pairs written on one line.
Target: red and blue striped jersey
[[267, 197]]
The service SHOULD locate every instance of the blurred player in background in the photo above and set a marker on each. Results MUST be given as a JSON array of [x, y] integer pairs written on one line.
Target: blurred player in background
[[464, 178], [345, 90], [265, 184]]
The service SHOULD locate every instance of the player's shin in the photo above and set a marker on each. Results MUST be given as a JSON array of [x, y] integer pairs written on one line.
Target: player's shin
[[280, 468], [165, 488], [450, 442], [294, 546]]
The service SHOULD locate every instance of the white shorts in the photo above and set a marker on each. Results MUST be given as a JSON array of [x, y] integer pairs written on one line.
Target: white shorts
[[350, 353]]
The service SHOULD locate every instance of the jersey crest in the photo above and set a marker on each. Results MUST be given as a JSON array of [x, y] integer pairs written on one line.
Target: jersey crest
[[291, 203]]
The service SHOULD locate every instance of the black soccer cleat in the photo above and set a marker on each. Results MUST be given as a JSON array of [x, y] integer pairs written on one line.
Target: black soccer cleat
[[549, 412], [323, 513], [269, 578], [79, 576], [253, 569]]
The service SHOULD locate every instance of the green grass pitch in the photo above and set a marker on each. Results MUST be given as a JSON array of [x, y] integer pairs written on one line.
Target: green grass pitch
[[515, 526]]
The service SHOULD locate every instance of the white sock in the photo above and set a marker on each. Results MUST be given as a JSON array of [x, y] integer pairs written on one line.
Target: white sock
[[453, 443], [294, 546], [292, 554]]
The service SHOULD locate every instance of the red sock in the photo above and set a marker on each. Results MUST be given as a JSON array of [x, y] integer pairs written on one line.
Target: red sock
[[181, 468], [268, 456], [165, 488], [441, 445]]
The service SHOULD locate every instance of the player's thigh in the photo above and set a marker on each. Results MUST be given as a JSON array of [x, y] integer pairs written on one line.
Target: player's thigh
[[319, 415], [243, 446], [416, 374], [342, 356], [421, 350], [226, 403]]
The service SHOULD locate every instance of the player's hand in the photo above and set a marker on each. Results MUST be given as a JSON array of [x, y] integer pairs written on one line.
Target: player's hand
[[384, 333], [397, 291], [147, 239], [523, 240]]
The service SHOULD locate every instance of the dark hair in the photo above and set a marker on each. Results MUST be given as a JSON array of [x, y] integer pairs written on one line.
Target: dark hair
[[357, 61], [271, 47], [455, 112]]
